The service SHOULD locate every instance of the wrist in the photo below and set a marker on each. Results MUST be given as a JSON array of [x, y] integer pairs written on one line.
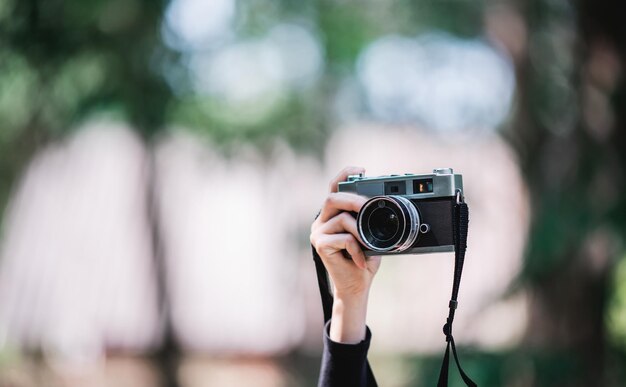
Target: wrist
[[353, 300], [349, 318]]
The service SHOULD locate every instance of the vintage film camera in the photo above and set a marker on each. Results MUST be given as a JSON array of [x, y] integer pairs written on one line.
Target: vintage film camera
[[407, 214]]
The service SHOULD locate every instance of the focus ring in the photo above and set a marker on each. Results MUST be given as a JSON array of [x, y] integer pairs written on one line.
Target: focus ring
[[379, 214]]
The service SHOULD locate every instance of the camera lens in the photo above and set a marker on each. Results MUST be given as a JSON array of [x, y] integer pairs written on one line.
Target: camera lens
[[388, 223], [383, 223]]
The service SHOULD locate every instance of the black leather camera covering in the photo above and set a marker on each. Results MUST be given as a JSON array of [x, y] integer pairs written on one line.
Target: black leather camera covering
[[439, 214]]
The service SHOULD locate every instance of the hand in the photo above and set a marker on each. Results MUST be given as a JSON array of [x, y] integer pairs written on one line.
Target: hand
[[333, 234]]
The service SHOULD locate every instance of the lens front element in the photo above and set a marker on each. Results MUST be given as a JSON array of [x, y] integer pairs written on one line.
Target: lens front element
[[388, 223], [383, 222]]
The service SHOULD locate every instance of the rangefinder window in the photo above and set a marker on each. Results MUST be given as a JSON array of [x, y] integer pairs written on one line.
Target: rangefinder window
[[395, 188], [422, 186]]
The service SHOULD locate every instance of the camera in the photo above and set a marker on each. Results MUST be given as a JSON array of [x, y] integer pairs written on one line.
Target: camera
[[407, 214]]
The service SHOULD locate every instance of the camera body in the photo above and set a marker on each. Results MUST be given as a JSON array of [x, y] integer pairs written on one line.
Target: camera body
[[407, 214]]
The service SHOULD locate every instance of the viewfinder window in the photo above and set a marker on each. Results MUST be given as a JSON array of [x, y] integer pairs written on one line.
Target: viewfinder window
[[422, 186]]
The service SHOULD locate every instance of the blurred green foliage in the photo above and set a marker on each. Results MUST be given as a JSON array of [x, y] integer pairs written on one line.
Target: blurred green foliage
[[76, 58], [616, 311], [64, 61]]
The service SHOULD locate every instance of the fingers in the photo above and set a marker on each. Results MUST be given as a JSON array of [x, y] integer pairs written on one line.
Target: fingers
[[343, 175], [340, 224], [335, 229], [330, 244], [354, 249], [340, 201]]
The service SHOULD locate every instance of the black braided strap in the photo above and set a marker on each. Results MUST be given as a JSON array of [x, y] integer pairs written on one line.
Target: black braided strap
[[324, 286], [461, 220]]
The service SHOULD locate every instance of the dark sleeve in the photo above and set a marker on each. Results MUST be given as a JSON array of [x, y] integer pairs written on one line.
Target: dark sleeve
[[345, 365]]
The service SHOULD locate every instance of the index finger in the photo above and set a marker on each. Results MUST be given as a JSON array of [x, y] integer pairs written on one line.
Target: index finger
[[343, 175], [340, 201]]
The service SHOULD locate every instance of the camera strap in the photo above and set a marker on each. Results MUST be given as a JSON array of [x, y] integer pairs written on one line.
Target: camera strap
[[461, 220], [460, 224]]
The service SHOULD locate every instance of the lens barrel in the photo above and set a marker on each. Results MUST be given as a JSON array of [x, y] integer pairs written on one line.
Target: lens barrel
[[388, 223]]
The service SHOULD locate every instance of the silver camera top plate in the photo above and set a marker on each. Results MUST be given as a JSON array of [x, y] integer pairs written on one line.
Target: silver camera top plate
[[442, 182]]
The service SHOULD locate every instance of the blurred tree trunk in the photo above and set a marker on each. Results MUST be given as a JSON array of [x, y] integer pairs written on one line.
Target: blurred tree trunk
[[570, 140]]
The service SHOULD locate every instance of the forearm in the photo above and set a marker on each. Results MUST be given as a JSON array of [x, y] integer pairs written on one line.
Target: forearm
[[348, 318]]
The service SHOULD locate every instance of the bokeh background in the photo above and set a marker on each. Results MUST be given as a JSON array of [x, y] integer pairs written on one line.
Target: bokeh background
[[161, 163]]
